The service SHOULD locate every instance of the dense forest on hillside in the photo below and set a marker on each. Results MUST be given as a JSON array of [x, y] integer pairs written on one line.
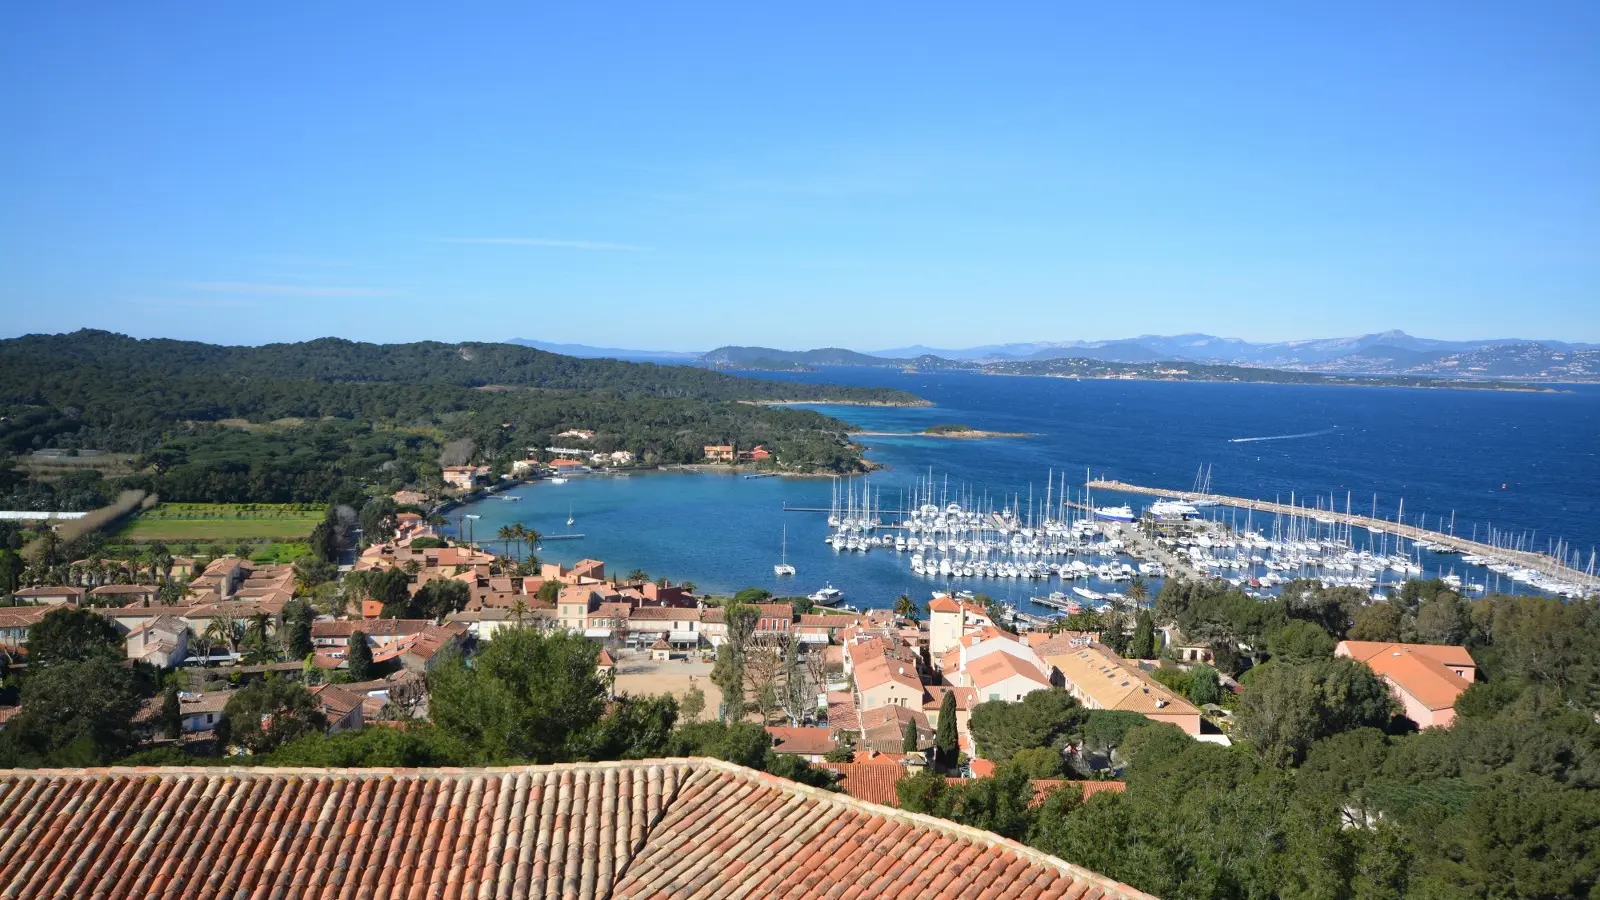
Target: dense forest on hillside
[[328, 419]]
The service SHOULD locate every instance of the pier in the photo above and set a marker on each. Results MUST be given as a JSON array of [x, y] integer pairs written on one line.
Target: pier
[[1538, 562]]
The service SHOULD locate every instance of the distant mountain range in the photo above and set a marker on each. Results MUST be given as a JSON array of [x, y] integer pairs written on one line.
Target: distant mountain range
[[584, 351], [1384, 353]]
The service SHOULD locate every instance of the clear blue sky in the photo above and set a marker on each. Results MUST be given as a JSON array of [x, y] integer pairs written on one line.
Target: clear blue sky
[[680, 176]]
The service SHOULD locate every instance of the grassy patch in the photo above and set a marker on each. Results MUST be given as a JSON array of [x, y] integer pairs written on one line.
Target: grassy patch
[[223, 522], [280, 552]]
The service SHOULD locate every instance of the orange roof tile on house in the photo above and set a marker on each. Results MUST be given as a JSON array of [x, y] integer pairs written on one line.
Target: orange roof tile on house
[[337, 702], [966, 697], [882, 670], [842, 714], [805, 741], [869, 782], [1043, 786], [689, 829], [1113, 683], [1421, 676], [1444, 654], [998, 667], [604, 659], [981, 768]]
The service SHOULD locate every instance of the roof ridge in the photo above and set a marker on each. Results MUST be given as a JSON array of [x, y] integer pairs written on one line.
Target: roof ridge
[[689, 768], [932, 823]]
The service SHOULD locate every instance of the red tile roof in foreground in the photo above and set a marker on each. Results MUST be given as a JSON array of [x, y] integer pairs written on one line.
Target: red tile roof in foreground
[[683, 829]]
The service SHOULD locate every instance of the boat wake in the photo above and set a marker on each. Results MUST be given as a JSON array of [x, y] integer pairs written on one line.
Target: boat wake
[[1283, 437]]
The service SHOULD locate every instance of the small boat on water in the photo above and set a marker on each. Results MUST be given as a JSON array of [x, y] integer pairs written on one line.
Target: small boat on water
[[782, 567], [557, 479], [827, 596]]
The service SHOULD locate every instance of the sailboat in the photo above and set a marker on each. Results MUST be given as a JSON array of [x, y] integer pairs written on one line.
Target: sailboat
[[783, 567]]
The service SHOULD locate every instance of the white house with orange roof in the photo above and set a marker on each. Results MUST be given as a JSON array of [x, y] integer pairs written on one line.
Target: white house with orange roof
[[949, 619]]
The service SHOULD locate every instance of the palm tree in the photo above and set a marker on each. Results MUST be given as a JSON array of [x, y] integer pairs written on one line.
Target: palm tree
[[518, 610], [688, 587], [1138, 591], [506, 534], [531, 537], [638, 576], [905, 607]]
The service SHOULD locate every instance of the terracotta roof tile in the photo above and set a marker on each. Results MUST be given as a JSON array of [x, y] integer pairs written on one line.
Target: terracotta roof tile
[[681, 829]]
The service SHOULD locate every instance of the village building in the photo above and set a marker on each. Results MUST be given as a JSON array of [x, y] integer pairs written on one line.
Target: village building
[[1099, 679], [808, 743], [949, 620], [162, 641], [123, 594], [15, 623], [719, 453], [342, 707], [465, 478], [1426, 679], [53, 595]]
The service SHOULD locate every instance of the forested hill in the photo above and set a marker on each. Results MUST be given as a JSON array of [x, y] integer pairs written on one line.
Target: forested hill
[[333, 419], [468, 365]]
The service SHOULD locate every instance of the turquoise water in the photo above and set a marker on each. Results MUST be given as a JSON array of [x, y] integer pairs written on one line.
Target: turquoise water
[[1442, 451]]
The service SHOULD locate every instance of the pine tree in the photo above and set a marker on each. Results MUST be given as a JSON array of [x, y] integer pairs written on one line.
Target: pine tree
[[359, 658], [1143, 644], [171, 711], [944, 741], [908, 743]]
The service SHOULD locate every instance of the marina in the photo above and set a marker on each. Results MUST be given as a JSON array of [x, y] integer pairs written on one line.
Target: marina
[[726, 532]]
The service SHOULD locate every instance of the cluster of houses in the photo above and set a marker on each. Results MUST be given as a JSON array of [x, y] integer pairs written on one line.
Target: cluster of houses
[[891, 675], [727, 453]]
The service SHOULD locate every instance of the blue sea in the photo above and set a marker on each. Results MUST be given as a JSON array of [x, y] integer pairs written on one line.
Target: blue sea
[[1525, 463]]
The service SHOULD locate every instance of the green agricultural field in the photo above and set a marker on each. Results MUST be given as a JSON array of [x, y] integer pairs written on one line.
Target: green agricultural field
[[223, 522]]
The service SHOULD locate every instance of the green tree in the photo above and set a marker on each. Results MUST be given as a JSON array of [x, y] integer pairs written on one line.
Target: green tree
[[1041, 719], [633, 728], [358, 657], [693, 705], [1286, 708], [549, 591], [297, 619], [392, 588], [908, 738], [1206, 687], [1376, 622], [11, 567], [742, 743], [752, 595], [1038, 762], [528, 696], [269, 713], [171, 711], [1440, 620], [728, 673], [797, 699], [1300, 642], [440, 598], [76, 712], [905, 607], [945, 741], [1143, 643], [71, 634]]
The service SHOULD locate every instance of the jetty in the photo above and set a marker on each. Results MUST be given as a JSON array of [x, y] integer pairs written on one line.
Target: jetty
[[1538, 562]]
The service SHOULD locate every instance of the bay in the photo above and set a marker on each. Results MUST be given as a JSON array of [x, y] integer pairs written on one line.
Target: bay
[[1527, 463]]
